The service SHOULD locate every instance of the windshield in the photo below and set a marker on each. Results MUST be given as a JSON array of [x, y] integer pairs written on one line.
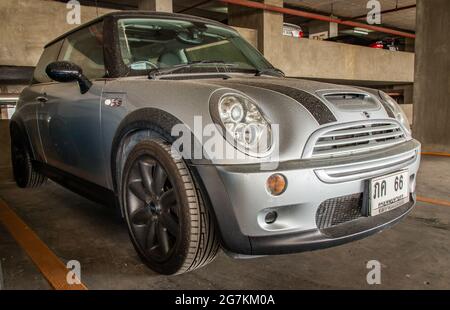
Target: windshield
[[148, 44]]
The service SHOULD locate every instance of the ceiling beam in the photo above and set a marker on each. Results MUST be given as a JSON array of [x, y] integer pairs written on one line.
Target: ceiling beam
[[283, 10], [103, 4], [196, 5]]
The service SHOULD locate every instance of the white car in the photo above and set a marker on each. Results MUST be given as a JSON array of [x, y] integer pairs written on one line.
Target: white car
[[292, 30]]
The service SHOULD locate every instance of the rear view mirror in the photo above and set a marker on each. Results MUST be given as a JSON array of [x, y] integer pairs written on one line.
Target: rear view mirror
[[64, 72]]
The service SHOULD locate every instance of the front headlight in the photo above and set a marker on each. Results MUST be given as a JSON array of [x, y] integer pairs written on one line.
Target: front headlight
[[244, 123], [398, 112]]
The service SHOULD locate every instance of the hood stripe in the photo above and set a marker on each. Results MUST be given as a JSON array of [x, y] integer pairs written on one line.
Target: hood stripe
[[315, 106]]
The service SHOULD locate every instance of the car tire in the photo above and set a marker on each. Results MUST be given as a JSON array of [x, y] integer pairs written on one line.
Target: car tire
[[24, 173], [171, 228]]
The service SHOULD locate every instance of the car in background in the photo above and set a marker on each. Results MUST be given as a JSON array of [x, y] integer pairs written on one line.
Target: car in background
[[388, 44], [292, 30], [351, 39]]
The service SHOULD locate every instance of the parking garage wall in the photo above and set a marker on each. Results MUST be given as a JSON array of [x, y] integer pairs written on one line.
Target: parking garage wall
[[27, 25], [432, 85], [330, 60]]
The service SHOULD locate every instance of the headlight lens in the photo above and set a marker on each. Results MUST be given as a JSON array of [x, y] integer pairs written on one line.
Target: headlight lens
[[398, 112], [245, 123]]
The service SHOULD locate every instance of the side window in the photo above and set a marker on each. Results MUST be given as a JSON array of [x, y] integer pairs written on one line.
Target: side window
[[49, 55], [85, 49]]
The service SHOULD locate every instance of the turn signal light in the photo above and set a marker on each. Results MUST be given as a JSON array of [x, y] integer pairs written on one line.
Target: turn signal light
[[276, 184]]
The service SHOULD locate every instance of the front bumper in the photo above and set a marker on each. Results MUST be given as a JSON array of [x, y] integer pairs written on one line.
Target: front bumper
[[240, 201]]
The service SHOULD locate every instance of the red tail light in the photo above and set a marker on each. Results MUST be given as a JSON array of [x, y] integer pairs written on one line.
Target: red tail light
[[377, 45]]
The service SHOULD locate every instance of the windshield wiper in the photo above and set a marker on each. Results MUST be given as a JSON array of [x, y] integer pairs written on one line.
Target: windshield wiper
[[159, 72], [270, 71]]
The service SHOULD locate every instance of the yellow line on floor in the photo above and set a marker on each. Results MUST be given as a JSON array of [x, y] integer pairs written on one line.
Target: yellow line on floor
[[434, 201], [439, 154], [46, 261]]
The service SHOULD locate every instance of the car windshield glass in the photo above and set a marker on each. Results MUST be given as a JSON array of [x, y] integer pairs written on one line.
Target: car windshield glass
[[150, 44]]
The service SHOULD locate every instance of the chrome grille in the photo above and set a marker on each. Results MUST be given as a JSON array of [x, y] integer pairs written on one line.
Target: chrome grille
[[352, 139], [340, 210]]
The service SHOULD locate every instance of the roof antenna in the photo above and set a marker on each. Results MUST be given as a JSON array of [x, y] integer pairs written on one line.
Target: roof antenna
[[96, 7]]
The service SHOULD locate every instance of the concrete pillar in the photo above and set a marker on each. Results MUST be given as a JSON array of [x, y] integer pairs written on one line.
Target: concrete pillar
[[432, 78], [321, 29], [408, 94], [268, 24], [409, 45], [156, 5], [4, 113]]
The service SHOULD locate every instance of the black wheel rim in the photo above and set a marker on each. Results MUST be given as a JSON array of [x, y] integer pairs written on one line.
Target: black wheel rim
[[152, 209]]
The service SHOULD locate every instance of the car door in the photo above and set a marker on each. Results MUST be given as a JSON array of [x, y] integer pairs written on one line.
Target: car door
[[31, 99], [71, 133]]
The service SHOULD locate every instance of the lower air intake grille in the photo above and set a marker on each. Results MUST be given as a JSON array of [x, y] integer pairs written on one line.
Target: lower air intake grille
[[336, 211]]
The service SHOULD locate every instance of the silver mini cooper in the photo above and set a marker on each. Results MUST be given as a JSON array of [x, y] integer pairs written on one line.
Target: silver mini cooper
[[123, 110]]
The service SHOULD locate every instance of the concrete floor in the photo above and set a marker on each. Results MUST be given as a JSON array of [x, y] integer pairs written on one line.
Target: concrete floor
[[414, 254]]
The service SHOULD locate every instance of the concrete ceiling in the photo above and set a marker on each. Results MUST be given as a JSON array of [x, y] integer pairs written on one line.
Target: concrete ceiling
[[209, 9], [403, 19]]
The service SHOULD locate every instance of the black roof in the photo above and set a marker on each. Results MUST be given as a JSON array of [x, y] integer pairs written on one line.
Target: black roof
[[140, 14]]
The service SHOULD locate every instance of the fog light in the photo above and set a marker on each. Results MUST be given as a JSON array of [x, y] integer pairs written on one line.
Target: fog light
[[271, 217], [276, 184]]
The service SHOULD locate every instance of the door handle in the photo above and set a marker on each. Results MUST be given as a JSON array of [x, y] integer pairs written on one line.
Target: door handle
[[42, 99]]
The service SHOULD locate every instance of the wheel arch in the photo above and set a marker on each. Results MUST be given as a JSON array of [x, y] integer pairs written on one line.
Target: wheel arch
[[159, 122], [141, 120], [17, 130], [140, 124]]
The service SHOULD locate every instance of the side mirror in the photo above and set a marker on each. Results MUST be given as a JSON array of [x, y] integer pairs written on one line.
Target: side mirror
[[64, 72]]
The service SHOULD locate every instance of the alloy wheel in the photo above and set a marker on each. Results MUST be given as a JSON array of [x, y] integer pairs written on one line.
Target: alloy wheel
[[152, 209]]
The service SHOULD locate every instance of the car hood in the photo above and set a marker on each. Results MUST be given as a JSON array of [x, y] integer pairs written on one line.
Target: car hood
[[327, 103], [296, 108]]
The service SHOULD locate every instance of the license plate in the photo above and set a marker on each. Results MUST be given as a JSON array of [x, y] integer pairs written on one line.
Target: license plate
[[388, 192]]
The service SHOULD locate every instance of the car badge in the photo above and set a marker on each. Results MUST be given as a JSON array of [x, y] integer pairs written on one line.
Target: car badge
[[113, 102]]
